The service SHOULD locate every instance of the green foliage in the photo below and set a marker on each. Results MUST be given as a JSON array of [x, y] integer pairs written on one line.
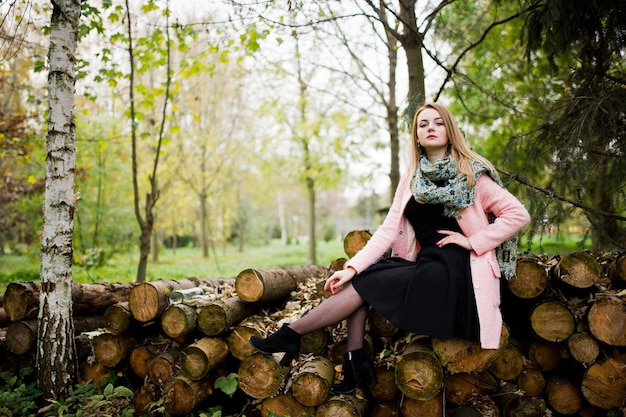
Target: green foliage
[[87, 400], [18, 397], [228, 384]]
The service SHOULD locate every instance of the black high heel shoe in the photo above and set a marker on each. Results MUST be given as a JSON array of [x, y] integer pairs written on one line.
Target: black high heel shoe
[[284, 340], [358, 369]]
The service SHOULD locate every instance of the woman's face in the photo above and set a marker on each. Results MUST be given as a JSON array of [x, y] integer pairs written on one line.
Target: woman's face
[[432, 134]]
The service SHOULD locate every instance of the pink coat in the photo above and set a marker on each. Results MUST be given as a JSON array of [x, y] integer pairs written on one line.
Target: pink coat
[[396, 233]]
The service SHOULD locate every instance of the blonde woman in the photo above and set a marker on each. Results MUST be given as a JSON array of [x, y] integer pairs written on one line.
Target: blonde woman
[[449, 215]]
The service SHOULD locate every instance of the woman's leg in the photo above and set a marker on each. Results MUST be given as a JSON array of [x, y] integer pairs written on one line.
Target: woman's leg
[[344, 304], [356, 328]]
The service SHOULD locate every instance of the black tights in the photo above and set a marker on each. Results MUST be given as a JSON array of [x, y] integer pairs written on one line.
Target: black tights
[[345, 304]]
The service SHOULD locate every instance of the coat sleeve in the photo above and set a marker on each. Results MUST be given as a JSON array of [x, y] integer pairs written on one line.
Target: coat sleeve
[[511, 215], [385, 235]]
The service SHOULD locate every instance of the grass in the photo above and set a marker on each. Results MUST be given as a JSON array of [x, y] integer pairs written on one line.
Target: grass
[[223, 262]]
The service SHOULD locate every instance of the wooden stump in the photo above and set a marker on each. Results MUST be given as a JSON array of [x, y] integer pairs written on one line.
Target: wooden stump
[[163, 367], [110, 349], [312, 380], [607, 321], [148, 300], [386, 389], [461, 355], [219, 316], [508, 364], [140, 358], [418, 372], [545, 356], [531, 278], [21, 300], [583, 347], [563, 396], [578, 270], [552, 321], [617, 270], [531, 382], [256, 285], [315, 342], [354, 241], [343, 406], [462, 387], [412, 407], [604, 384], [284, 405], [182, 395], [202, 356], [118, 318], [260, 376], [178, 320]]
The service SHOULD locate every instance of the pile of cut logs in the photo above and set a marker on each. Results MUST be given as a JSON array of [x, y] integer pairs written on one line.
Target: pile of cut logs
[[562, 351]]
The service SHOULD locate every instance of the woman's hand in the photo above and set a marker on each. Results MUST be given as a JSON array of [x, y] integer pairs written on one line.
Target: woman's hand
[[336, 281], [454, 238]]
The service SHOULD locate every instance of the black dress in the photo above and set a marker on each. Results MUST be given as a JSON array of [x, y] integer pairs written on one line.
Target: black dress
[[431, 296]]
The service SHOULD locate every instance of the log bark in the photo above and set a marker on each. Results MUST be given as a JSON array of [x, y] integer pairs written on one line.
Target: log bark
[[460, 355], [183, 395], [354, 241], [260, 376], [418, 373], [202, 356], [531, 278], [604, 384], [312, 380], [343, 406], [412, 407], [563, 396], [284, 405], [110, 349], [178, 320], [219, 316], [256, 285], [607, 321], [578, 270], [22, 335], [21, 299], [552, 321]]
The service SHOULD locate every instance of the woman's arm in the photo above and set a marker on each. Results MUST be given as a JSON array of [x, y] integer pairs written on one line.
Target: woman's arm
[[511, 215]]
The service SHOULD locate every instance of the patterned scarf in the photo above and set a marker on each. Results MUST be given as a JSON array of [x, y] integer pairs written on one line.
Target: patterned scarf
[[440, 183]]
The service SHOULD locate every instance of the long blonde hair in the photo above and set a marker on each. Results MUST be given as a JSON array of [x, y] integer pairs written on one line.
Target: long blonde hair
[[457, 146]]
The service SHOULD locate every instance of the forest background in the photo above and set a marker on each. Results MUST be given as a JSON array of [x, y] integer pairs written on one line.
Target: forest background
[[288, 121]]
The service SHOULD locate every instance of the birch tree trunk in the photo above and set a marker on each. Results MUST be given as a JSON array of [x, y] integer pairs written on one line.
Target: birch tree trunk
[[56, 352]]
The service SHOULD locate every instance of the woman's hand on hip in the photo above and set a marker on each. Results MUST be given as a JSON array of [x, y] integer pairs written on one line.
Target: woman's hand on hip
[[336, 281], [454, 238]]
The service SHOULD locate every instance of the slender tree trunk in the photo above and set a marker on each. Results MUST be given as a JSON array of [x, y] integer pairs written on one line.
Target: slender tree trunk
[[411, 41], [56, 351]]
